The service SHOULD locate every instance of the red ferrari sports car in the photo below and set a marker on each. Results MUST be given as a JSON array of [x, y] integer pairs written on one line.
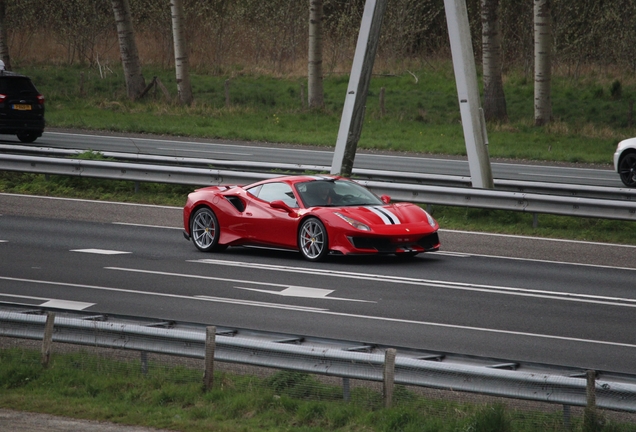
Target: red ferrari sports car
[[316, 215]]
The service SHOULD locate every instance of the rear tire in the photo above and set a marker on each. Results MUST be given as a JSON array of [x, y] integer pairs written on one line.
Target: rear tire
[[627, 169], [205, 231], [27, 137]]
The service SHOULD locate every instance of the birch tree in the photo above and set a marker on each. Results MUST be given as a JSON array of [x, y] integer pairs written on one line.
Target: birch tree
[[315, 91], [542, 61], [4, 46], [135, 82], [494, 97], [184, 87]]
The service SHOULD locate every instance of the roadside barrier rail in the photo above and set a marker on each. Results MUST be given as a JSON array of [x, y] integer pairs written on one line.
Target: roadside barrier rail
[[551, 188], [414, 192], [551, 384]]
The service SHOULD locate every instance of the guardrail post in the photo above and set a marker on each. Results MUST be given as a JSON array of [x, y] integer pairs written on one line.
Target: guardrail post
[[47, 339], [346, 389], [590, 416], [567, 417], [389, 376], [210, 347], [144, 362]]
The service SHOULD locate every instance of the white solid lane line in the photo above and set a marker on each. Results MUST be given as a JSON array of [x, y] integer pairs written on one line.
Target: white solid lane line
[[546, 239], [524, 292], [147, 226], [90, 201], [288, 290], [261, 304], [547, 261], [154, 294], [225, 153], [327, 312]]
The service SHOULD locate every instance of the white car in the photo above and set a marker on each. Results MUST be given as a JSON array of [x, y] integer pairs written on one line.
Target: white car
[[625, 161]]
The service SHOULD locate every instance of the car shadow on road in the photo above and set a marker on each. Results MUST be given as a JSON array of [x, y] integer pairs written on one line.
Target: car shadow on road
[[278, 256]]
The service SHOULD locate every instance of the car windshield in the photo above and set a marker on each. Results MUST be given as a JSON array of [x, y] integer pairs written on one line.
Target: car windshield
[[335, 193]]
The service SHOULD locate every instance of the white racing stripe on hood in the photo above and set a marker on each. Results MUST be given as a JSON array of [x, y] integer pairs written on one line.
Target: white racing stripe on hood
[[387, 217]]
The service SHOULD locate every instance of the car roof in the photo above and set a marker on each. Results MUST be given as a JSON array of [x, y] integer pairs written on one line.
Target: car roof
[[6, 73], [293, 179]]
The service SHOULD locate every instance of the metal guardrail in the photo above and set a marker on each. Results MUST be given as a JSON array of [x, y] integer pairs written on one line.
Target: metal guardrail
[[417, 193], [550, 188], [567, 387]]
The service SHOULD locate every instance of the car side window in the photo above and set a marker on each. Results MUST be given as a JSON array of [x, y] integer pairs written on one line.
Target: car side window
[[254, 191], [276, 191]]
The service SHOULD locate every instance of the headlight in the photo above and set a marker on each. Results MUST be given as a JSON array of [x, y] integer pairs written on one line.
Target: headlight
[[354, 223], [431, 221]]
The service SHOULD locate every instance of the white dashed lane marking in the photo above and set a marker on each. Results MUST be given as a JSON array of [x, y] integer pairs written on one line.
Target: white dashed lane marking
[[67, 304], [100, 251]]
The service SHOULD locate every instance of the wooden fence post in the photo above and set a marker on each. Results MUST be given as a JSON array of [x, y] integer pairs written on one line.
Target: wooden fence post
[[303, 101], [47, 339], [81, 84], [389, 376], [227, 93], [382, 110], [210, 347], [590, 416], [163, 89]]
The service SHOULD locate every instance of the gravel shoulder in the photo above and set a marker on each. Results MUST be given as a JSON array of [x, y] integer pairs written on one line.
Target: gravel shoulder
[[20, 421]]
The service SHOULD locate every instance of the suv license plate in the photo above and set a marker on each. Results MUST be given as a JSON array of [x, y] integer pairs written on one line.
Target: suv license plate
[[22, 107]]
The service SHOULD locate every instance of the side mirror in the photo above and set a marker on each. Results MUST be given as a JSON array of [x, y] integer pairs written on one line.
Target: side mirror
[[281, 205], [385, 199]]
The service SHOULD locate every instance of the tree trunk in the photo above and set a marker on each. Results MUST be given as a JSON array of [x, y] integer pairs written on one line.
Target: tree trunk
[[315, 91], [4, 47], [494, 97], [184, 87], [135, 82], [542, 61]]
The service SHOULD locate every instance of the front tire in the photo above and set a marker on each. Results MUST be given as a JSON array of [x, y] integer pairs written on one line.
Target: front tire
[[27, 137], [205, 231], [627, 170], [313, 242]]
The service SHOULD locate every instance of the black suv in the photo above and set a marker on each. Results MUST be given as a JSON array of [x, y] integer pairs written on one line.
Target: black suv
[[21, 107]]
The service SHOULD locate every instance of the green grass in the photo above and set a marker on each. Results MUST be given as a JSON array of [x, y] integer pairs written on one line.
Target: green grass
[[421, 116], [84, 385]]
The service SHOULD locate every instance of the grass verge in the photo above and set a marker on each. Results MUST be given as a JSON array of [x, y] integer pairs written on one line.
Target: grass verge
[[421, 112], [84, 385]]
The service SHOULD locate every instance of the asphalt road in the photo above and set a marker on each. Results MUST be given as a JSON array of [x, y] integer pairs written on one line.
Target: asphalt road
[[308, 155], [524, 299]]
